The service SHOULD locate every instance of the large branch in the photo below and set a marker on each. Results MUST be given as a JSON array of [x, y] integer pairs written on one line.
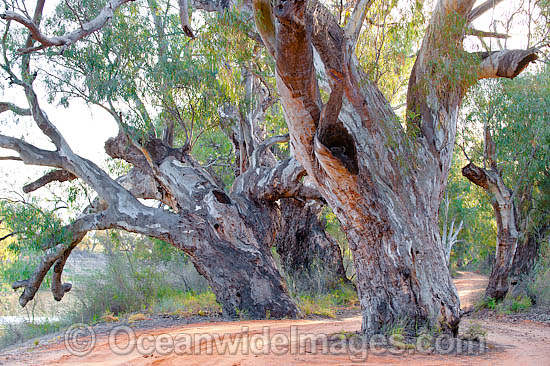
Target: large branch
[[148, 221], [30, 154], [58, 254], [144, 186], [355, 22], [70, 38], [265, 23], [285, 180], [505, 63], [477, 175]]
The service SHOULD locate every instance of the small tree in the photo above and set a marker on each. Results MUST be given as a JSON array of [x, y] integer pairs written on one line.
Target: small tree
[[513, 117]]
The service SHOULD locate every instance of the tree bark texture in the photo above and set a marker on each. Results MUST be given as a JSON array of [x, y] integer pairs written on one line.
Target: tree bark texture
[[506, 216], [309, 255], [385, 183]]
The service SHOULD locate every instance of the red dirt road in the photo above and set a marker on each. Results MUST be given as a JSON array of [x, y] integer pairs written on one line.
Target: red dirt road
[[525, 343]]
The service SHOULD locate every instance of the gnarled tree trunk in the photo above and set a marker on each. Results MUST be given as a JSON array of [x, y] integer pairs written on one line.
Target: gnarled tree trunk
[[233, 233], [384, 184], [309, 255]]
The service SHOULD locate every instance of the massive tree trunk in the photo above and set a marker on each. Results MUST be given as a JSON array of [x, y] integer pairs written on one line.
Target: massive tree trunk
[[234, 233], [227, 236], [384, 184], [309, 255]]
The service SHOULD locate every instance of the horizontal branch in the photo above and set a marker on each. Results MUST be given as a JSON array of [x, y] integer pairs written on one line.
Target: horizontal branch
[[13, 158], [70, 38], [9, 235], [30, 154], [285, 180], [53, 176], [476, 175], [6, 106], [488, 34], [505, 63]]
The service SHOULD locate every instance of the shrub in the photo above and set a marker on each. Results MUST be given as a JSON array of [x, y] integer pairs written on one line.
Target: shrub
[[475, 332], [520, 304]]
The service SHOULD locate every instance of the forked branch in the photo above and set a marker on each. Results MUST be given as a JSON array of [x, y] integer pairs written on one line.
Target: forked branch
[[70, 38]]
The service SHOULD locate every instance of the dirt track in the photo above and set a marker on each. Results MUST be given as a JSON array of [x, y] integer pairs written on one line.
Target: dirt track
[[525, 343]]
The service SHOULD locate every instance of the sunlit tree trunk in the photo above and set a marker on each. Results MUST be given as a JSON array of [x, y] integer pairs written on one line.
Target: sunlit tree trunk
[[385, 183]]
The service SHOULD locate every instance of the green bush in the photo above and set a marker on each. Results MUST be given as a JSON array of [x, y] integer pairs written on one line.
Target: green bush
[[129, 285], [520, 304], [539, 287], [16, 333], [539, 283]]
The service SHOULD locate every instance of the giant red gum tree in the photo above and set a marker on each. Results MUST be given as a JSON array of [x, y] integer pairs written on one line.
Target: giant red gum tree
[[227, 235], [383, 178]]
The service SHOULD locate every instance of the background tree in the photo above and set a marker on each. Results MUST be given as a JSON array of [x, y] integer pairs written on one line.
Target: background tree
[[513, 118], [227, 236]]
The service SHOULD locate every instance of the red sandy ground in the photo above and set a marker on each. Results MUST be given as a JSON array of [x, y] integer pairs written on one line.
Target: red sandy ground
[[520, 344]]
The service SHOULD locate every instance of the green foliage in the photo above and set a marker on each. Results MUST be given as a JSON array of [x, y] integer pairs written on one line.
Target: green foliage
[[474, 332], [328, 304], [187, 304], [139, 274], [35, 228], [486, 303], [384, 49], [520, 304], [516, 112], [538, 283], [476, 240], [509, 305], [21, 332]]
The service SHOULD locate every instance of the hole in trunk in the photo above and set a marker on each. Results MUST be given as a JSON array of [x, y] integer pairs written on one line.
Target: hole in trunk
[[337, 139], [221, 197]]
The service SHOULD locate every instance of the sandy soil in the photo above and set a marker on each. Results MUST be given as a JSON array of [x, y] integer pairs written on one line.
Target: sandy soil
[[523, 343]]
